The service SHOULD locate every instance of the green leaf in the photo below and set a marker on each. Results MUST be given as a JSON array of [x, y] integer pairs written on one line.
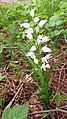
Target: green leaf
[[59, 22], [19, 112], [63, 97], [51, 23], [57, 100], [6, 113], [50, 93], [1, 49], [50, 70], [1, 78], [12, 64]]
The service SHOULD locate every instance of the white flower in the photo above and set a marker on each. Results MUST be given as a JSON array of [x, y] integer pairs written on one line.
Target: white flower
[[25, 25], [47, 66], [47, 57], [65, 40], [46, 49], [33, 48], [37, 29], [29, 36], [30, 30], [45, 39], [42, 22], [36, 19], [36, 61], [43, 67], [39, 39], [32, 12], [31, 54]]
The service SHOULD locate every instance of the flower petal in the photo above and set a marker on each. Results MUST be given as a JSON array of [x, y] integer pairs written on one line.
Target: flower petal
[[43, 67], [29, 36], [66, 41], [47, 57], [33, 48], [46, 49], [42, 22], [47, 66], [40, 37], [36, 61], [32, 12], [45, 39], [38, 41], [31, 54], [36, 19], [25, 25], [30, 30]]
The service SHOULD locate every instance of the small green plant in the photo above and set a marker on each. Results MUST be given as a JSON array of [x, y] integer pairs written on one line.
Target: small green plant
[[38, 56], [19, 112], [59, 98], [1, 78]]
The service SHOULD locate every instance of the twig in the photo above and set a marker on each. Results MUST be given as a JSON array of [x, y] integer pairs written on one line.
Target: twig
[[65, 106], [47, 111], [63, 116], [10, 103], [57, 115], [45, 115]]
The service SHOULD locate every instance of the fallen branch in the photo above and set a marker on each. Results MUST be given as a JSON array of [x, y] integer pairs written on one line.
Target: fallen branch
[[47, 111]]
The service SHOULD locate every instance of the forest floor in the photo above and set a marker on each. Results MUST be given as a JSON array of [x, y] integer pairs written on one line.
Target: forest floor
[[26, 91]]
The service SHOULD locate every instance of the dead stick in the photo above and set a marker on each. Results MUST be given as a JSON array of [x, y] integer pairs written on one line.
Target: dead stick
[[47, 111], [10, 103], [64, 107]]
